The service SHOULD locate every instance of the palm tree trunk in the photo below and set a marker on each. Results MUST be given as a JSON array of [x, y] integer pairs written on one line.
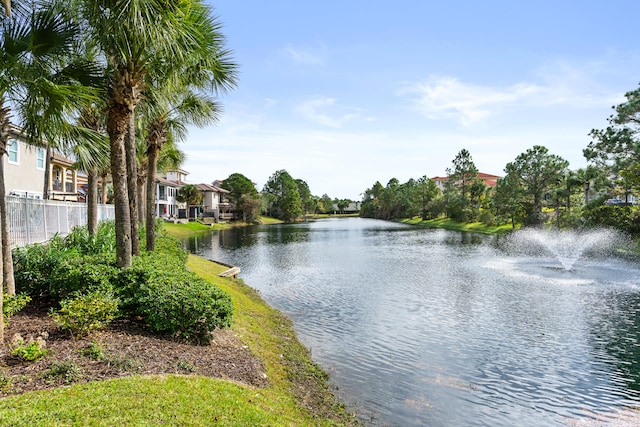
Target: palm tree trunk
[[117, 128], [104, 197], [152, 154], [132, 179], [5, 242], [142, 208], [92, 202], [4, 138], [47, 172]]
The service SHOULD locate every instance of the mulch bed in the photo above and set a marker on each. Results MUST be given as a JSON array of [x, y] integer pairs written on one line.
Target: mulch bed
[[128, 347]]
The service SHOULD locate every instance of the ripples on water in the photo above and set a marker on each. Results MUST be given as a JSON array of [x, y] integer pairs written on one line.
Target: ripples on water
[[430, 327]]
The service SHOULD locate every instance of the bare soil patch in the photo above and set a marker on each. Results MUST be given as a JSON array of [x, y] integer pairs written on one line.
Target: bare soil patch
[[128, 348]]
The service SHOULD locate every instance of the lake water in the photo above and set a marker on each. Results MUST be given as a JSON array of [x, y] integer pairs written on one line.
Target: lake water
[[438, 328]]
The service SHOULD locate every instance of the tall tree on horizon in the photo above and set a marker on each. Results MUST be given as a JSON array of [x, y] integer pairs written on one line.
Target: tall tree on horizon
[[535, 172]]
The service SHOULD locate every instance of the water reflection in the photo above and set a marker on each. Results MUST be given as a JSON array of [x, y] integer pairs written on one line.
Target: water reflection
[[429, 327]]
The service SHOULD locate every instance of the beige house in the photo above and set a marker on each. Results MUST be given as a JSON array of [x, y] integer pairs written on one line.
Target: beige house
[[24, 167], [24, 172], [214, 202], [64, 180]]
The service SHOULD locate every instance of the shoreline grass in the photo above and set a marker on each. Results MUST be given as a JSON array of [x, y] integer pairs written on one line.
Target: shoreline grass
[[449, 224]]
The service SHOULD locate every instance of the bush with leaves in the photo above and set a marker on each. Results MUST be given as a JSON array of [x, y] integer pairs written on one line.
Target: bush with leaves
[[176, 301], [32, 266], [86, 313], [624, 218], [11, 304], [80, 274], [29, 349]]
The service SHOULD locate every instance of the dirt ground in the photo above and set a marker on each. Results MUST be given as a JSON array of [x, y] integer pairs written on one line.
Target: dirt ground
[[124, 348]]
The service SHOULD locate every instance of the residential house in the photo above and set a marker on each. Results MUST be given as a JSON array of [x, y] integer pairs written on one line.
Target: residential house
[[24, 168], [488, 179], [179, 176], [65, 182], [214, 202], [351, 208], [166, 205]]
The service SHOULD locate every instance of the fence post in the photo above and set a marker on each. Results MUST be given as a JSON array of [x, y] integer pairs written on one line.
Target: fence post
[[44, 220], [27, 232]]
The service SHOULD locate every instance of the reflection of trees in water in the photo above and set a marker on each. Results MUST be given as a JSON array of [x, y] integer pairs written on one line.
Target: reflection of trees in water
[[617, 332], [237, 237], [283, 234]]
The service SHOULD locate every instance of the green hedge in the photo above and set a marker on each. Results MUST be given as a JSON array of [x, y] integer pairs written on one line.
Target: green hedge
[[157, 287]]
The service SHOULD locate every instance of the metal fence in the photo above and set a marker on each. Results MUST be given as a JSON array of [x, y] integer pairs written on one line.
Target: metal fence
[[35, 221]]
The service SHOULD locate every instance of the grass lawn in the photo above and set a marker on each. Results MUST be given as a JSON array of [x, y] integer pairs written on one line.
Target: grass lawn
[[297, 394], [446, 223]]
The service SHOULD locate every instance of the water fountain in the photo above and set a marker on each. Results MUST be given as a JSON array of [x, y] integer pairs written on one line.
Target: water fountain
[[566, 246]]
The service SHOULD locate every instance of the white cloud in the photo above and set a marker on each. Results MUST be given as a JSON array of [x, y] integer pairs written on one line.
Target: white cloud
[[447, 97], [556, 84], [314, 110], [270, 102], [304, 56]]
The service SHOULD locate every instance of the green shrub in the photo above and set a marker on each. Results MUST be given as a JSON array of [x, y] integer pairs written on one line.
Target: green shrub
[[624, 218], [30, 349], [176, 301], [104, 242], [170, 246], [32, 266], [12, 304], [86, 313], [81, 274]]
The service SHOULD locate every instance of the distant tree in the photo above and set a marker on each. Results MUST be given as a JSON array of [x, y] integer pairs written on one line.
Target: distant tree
[[537, 172], [509, 200], [243, 195], [190, 195], [462, 188], [248, 206], [307, 200], [326, 203], [616, 149], [285, 201], [341, 204], [427, 191], [371, 201]]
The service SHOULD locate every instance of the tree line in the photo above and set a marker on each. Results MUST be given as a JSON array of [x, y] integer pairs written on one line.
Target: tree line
[[537, 186], [282, 197]]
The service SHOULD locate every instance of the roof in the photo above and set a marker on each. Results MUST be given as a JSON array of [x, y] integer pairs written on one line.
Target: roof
[[488, 178], [169, 182], [211, 188], [60, 159]]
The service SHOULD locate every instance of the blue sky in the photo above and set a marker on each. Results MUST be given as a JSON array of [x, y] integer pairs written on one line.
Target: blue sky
[[345, 93]]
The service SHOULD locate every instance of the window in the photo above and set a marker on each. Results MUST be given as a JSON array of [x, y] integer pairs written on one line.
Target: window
[[40, 158], [12, 151]]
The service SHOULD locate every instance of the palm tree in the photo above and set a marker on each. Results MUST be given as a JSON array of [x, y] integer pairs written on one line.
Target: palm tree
[[37, 80], [135, 37], [92, 161], [168, 124]]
